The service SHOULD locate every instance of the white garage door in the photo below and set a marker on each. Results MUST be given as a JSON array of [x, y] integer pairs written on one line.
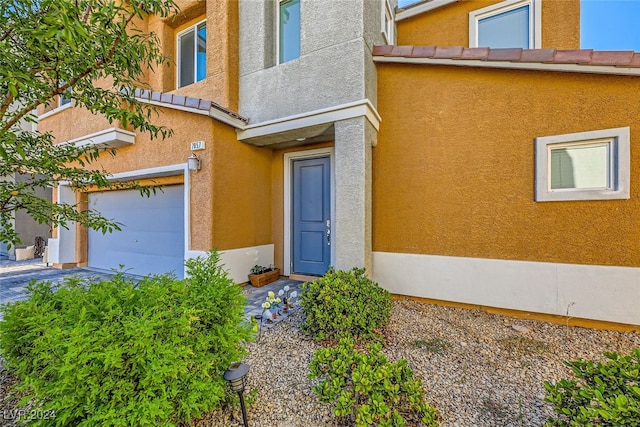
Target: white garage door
[[152, 236]]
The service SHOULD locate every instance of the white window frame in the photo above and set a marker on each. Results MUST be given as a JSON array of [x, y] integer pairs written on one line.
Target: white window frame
[[193, 28], [535, 19], [387, 23], [619, 165], [278, 5], [60, 107]]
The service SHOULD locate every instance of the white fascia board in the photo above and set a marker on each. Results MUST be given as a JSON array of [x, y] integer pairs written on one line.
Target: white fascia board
[[534, 66], [169, 170], [360, 108], [421, 8], [213, 112], [112, 138], [227, 119]]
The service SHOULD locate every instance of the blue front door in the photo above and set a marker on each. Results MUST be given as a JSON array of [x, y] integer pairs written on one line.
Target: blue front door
[[311, 205]]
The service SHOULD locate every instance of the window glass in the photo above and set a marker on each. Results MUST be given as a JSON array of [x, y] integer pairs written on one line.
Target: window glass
[[289, 43], [508, 29], [202, 52], [583, 166], [186, 65], [192, 55], [63, 99], [592, 165], [388, 26]]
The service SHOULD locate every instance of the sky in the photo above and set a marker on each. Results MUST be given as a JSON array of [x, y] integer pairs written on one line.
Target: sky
[[610, 24], [605, 24]]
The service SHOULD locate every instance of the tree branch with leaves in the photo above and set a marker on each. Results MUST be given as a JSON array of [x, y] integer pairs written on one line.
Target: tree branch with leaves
[[52, 48]]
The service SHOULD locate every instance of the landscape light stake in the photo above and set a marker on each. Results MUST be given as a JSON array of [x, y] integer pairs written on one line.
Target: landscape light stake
[[236, 375]]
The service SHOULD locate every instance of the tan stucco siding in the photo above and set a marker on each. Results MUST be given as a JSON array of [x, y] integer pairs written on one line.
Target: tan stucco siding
[[221, 82], [72, 123], [449, 25], [241, 192], [453, 171], [149, 153]]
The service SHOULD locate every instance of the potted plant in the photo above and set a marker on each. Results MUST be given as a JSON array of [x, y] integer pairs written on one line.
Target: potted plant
[[261, 276]]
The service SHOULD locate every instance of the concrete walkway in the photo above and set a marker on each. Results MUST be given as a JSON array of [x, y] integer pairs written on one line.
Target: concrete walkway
[[16, 275]]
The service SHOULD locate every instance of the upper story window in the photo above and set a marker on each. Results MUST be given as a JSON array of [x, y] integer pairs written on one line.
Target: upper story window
[[192, 54], [58, 103], [64, 100], [288, 30], [509, 24], [388, 24]]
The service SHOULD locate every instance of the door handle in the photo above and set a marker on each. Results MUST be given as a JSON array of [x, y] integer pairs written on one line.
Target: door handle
[[328, 237]]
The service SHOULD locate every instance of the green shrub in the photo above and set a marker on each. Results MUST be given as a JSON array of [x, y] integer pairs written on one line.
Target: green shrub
[[121, 353], [344, 303], [369, 389], [602, 394]]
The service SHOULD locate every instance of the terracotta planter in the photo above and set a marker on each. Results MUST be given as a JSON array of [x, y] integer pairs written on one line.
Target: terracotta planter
[[258, 280]]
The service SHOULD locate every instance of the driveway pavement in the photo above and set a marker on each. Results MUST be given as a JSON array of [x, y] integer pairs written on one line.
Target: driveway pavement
[[16, 275]]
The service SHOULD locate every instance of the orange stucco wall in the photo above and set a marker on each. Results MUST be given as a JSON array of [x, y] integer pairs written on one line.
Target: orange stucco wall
[[449, 25], [453, 171], [226, 194], [221, 83], [241, 207]]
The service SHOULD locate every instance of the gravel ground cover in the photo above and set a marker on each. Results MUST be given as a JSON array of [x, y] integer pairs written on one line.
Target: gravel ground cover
[[478, 369]]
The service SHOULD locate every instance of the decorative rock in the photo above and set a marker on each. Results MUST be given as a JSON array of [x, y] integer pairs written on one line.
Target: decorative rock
[[488, 380], [520, 328]]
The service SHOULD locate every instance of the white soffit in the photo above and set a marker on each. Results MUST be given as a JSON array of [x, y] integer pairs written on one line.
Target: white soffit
[[421, 8], [108, 138], [351, 110]]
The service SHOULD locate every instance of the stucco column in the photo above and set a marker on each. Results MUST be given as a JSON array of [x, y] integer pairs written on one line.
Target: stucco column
[[354, 139], [62, 250]]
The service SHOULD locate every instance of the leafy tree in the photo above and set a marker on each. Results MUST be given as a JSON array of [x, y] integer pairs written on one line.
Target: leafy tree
[[91, 51]]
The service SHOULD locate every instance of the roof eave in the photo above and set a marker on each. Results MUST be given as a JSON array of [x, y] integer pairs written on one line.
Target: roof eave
[[420, 8], [535, 66]]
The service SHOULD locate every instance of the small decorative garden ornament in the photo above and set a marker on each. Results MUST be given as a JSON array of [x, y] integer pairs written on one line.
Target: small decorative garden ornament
[[273, 304]]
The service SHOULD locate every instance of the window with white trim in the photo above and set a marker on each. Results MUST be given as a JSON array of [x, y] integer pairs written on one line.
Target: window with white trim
[[288, 30], [57, 103], [192, 54], [583, 166], [508, 24], [388, 25]]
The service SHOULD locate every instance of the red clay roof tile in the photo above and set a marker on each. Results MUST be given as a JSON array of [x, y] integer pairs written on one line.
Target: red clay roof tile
[[473, 52], [537, 55], [605, 57], [180, 100], [448, 52], [504, 54], [578, 56], [192, 102], [635, 61], [402, 51], [622, 59], [424, 51], [382, 50]]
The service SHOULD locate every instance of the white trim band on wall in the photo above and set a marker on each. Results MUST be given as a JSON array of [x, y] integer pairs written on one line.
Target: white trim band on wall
[[605, 293]]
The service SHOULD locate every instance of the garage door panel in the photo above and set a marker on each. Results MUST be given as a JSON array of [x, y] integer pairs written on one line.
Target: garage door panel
[[142, 219], [152, 237]]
